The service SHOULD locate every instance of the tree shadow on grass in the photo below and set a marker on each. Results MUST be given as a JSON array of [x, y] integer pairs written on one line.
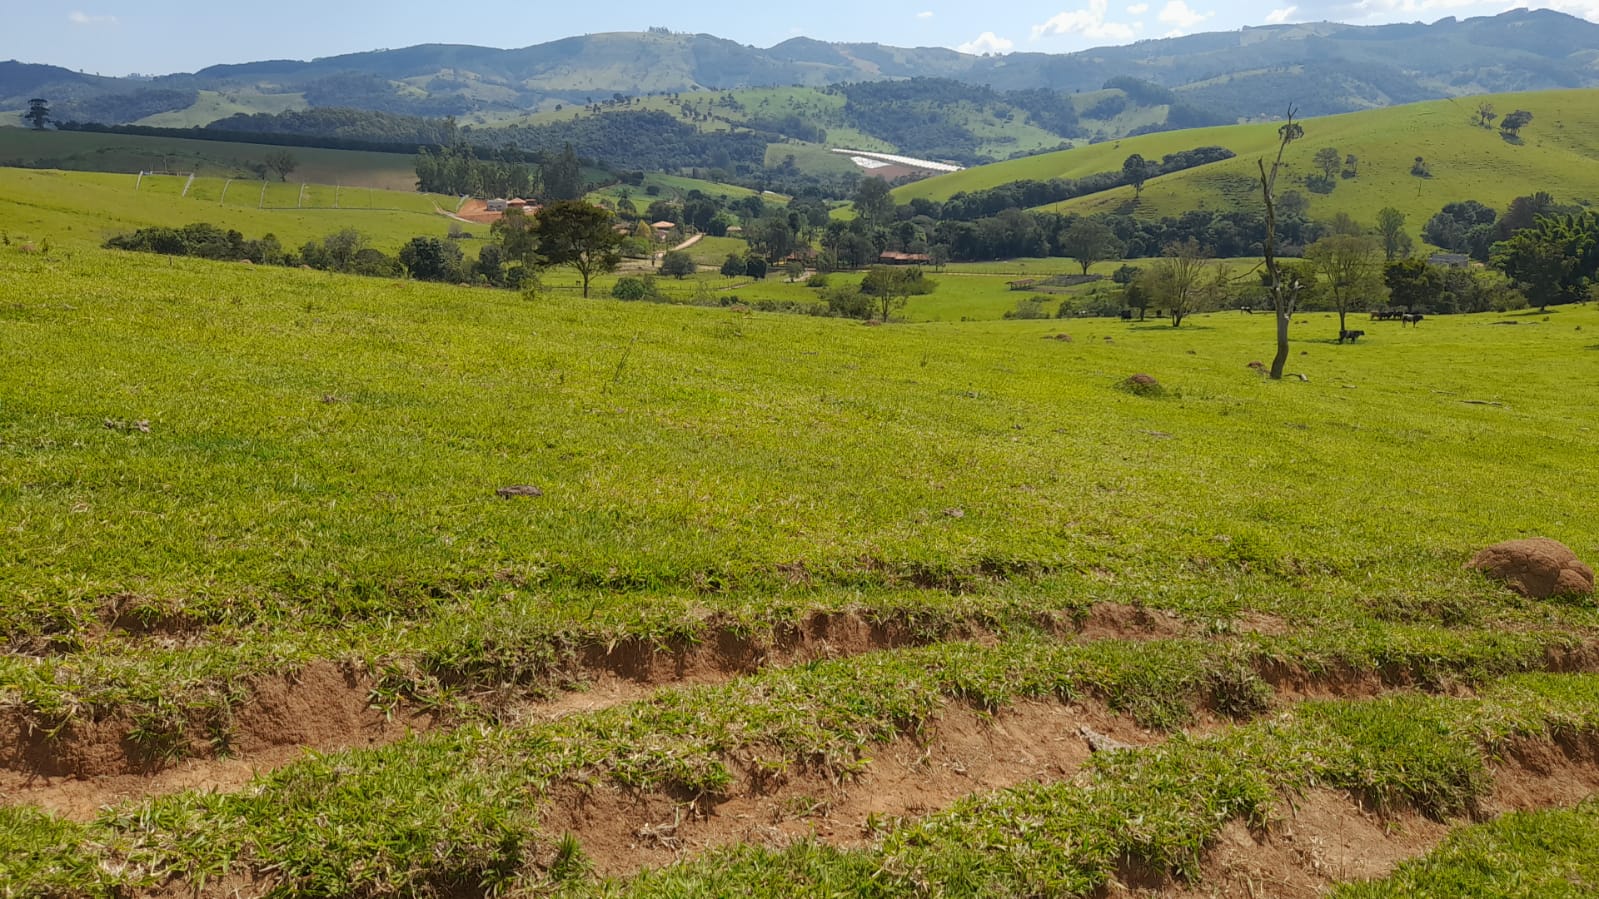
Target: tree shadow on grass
[[1159, 326]]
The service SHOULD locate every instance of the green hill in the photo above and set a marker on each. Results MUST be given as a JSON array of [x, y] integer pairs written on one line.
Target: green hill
[[1555, 153]]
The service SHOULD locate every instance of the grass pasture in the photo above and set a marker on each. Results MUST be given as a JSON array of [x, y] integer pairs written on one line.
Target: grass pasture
[[79, 210], [798, 606], [1555, 154]]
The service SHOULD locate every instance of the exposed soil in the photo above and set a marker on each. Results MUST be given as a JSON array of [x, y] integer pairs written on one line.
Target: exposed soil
[[326, 706]]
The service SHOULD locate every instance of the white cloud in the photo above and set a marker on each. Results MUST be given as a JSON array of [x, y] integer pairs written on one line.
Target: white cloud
[[1088, 22], [987, 42], [1180, 15], [1279, 16], [928, 14], [83, 18], [1138, 9]]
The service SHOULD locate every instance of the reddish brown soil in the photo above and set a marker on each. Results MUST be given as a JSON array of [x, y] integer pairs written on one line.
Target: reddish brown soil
[[325, 707]]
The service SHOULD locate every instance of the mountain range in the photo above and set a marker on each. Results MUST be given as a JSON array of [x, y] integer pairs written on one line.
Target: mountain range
[[1321, 68]]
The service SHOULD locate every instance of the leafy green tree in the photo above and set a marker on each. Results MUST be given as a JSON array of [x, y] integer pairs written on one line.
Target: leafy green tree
[[938, 253], [892, 286], [678, 263], [1135, 171], [1391, 230], [1512, 123], [432, 259], [1352, 268], [873, 202], [1089, 242], [1412, 283], [1328, 160], [341, 247], [518, 236], [795, 269], [1554, 261], [733, 266], [282, 162], [755, 267], [579, 235], [38, 113], [1485, 114]]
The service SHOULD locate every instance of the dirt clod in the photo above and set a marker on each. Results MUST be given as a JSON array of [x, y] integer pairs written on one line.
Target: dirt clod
[[518, 490], [1535, 567]]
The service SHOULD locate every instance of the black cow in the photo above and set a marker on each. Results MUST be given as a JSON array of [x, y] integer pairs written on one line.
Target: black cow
[[1410, 318], [1350, 335]]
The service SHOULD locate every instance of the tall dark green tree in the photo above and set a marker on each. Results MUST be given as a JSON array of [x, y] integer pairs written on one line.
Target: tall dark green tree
[[1412, 283], [579, 235], [563, 176], [873, 202], [38, 113], [1135, 171]]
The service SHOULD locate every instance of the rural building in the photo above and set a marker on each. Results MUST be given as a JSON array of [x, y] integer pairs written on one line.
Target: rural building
[[894, 258], [496, 205], [1449, 260]]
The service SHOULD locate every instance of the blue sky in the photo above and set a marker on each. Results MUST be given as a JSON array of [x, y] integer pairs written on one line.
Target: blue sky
[[116, 37]]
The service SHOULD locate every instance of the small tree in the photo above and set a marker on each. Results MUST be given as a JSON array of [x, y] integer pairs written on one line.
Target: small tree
[[755, 267], [939, 254], [1177, 280], [1135, 171], [1485, 114], [1512, 124], [1328, 160], [733, 266], [283, 162], [577, 234], [1089, 242], [38, 113], [1352, 267], [1282, 291], [678, 263], [1391, 228], [892, 286], [795, 269]]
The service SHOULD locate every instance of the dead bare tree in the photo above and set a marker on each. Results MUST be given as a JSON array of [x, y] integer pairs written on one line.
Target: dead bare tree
[[1284, 291]]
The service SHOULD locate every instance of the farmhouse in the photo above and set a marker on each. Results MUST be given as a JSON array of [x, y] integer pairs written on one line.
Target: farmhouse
[[895, 258]]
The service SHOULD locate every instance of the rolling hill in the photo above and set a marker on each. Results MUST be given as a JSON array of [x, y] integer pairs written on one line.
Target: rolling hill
[[1558, 152]]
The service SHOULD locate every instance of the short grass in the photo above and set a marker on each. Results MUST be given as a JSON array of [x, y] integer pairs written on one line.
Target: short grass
[[1523, 855], [213, 105], [90, 152], [1466, 161], [251, 493]]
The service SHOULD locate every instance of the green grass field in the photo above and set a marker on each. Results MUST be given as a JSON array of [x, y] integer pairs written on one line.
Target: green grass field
[[81, 209], [1465, 161], [213, 105], [799, 606]]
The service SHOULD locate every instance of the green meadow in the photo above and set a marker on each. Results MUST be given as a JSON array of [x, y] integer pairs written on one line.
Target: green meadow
[[1555, 154], [220, 482], [79, 210]]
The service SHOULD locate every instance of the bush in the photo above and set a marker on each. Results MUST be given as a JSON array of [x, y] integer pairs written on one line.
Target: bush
[[635, 288], [678, 264], [733, 267]]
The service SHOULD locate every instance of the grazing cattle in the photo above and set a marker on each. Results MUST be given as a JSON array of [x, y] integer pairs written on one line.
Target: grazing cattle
[[1350, 336], [1410, 318], [1383, 315], [1127, 315], [1247, 310]]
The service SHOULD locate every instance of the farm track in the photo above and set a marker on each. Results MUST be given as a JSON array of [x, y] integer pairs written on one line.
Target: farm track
[[327, 706]]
